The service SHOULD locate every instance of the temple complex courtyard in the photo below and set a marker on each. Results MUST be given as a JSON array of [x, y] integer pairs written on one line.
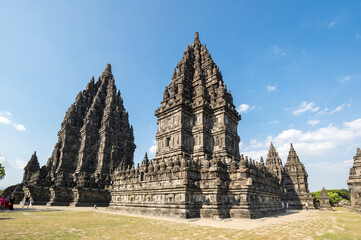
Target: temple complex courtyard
[[43, 222]]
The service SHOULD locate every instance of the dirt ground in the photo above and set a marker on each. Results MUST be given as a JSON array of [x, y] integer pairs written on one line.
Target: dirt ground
[[41, 222], [231, 223]]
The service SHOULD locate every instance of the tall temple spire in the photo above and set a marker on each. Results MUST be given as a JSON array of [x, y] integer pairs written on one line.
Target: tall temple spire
[[195, 94], [274, 163], [272, 157], [94, 139], [295, 182], [292, 155], [31, 168], [33, 162]]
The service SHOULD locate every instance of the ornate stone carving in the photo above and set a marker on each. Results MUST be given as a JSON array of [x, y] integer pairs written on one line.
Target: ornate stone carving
[[198, 129], [295, 183], [354, 182], [95, 137]]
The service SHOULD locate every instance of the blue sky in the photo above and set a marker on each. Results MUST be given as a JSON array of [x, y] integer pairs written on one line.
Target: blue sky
[[293, 67]]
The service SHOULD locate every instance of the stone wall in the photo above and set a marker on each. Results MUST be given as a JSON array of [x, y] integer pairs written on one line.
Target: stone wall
[[186, 187]]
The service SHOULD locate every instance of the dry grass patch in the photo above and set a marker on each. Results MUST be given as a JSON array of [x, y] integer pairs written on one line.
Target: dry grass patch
[[340, 224]]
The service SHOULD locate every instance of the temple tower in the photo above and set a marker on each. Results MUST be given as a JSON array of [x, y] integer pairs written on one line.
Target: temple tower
[[95, 137], [31, 170], [295, 183], [354, 182], [274, 163], [197, 115]]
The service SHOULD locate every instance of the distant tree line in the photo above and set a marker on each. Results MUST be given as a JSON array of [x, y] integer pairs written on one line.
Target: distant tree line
[[336, 195], [2, 172]]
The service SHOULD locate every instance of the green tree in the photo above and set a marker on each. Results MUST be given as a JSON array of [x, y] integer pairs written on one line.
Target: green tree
[[317, 196], [2, 172], [336, 195], [334, 198]]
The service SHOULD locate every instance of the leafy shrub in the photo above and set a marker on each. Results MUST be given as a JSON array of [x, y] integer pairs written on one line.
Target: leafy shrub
[[336, 195]]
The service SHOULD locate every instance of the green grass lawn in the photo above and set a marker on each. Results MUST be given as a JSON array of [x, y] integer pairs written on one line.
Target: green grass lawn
[[340, 224]]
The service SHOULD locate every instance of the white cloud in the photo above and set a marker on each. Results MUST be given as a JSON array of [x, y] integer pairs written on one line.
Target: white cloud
[[271, 88], [17, 163], [313, 122], [2, 158], [253, 141], [321, 141], [7, 121], [313, 144], [273, 122], [278, 51], [243, 108], [333, 23], [240, 145], [19, 127], [153, 148], [304, 107], [326, 111], [4, 120], [331, 167], [256, 155], [345, 78], [255, 150]]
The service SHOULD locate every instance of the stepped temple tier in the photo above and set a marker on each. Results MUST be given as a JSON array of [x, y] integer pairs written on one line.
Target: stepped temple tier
[[354, 182], [197, 170], [94, 139]]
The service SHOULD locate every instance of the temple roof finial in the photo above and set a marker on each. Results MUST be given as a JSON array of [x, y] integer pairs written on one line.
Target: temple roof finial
[[107, 70], [196, 38]]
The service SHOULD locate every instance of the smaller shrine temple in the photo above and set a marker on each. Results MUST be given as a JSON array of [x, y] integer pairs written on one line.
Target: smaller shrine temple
[[325, 204]]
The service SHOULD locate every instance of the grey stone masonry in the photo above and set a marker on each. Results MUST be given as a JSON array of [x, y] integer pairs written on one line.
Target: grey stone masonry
[[274, 163], [325, 204], [197, 170], [354, 182], [95, 137], [197, 115], [295, 183]]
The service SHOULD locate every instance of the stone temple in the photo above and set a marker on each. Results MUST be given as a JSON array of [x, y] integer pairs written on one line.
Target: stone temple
[[325, 204], [95, 137], [295, 183], [354, 182], [197, 170]]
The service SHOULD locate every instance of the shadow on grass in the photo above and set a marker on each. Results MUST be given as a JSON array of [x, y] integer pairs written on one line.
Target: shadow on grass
[[5, 218], [36, 210], [288, 212]]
